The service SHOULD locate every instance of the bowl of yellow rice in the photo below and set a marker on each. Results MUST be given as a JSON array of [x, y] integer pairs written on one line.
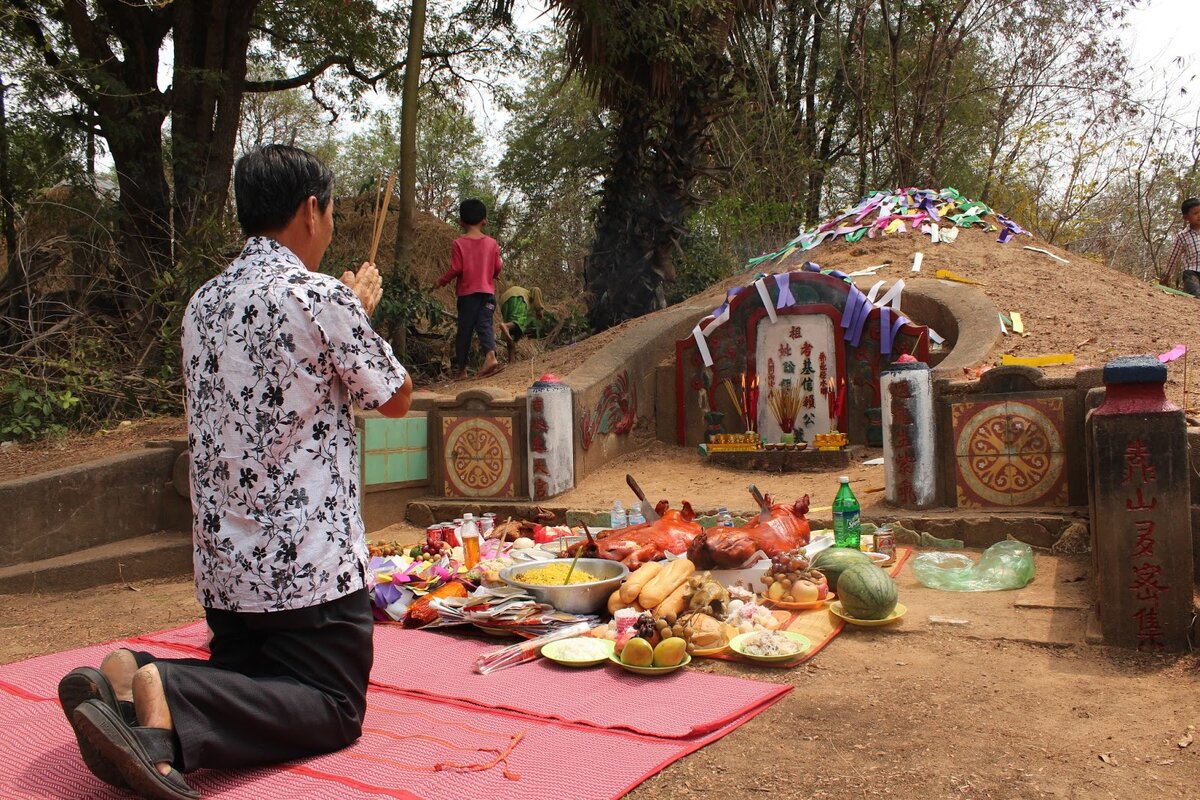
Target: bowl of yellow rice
[[591, 583]]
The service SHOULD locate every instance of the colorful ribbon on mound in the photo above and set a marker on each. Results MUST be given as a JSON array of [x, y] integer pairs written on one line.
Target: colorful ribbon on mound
[[898, 211]]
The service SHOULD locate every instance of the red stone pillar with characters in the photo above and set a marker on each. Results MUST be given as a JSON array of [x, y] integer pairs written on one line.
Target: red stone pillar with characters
[[1141, 514]]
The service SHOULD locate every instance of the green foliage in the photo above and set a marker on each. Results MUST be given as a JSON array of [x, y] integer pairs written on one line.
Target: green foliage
[[553, 161], [31, 413], [451, 157], [405, 305], [703, 261]]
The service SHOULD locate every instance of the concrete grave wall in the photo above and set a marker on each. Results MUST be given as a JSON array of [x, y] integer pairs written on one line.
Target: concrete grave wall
[[97, 503], [616, 390]]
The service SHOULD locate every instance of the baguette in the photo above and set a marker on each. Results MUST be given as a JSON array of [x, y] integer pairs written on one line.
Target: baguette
[[665, 582], [637, 581], [615, 604], [675, 602]]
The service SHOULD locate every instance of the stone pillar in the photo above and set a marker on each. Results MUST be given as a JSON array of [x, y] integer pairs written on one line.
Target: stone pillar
[[1141, 517], [906, 396], [551, 438]]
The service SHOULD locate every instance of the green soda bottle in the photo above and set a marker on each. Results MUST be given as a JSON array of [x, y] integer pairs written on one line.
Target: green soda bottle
[[846, 524]]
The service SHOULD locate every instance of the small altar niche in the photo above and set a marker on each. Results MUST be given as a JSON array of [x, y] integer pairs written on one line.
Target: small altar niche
[[809, 364]]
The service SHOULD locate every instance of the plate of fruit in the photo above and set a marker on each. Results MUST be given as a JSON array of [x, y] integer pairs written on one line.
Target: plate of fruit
[[641, 657], [791, 583]]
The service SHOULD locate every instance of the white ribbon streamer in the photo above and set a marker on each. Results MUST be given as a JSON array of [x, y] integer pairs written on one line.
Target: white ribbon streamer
[[871, 295], [761, 285], [893, 296], [702, 346]]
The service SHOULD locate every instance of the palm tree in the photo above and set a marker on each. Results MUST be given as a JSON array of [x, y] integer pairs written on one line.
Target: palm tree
[[661, 68]]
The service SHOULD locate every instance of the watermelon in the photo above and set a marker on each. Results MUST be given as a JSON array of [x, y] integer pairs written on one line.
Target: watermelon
[[836, 560], [867, 592]]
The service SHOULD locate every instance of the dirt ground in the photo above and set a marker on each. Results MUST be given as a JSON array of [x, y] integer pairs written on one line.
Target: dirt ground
[[988, 695]]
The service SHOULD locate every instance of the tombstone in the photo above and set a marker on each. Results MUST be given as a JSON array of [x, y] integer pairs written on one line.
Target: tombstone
[[806, 343], [1141, 515], [910, 476]]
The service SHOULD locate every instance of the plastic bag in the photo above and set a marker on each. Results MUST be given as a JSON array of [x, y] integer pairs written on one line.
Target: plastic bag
[[1004, 565]]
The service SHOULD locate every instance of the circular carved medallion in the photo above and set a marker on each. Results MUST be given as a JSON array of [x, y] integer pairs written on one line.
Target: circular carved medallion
[[1012, 458], [478, 457]]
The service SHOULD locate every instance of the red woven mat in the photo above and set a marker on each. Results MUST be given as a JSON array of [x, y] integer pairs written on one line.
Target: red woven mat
[[413, 745], [680, 704], [441, 665]]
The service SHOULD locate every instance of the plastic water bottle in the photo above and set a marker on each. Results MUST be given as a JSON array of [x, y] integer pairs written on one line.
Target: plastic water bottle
[[846, 524], [724, 518], [617, 518], [470, 539], [636, 517]]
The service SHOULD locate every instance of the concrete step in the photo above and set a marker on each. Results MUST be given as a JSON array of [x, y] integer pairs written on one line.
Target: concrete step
[[166, 554]]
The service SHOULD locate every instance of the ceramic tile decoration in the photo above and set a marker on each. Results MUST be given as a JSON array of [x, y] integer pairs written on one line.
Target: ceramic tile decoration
[[1009, 452], [477, 456], [395, 450]]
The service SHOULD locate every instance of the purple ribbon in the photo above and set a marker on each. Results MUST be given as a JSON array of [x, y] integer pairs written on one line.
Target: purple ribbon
[[783, 284], [888, 328]]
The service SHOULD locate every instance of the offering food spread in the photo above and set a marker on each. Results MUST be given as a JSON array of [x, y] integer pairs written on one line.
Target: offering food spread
[[642, 597]]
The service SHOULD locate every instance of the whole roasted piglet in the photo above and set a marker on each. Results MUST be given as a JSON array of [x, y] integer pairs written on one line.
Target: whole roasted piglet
[[649, 541], [730, 548]]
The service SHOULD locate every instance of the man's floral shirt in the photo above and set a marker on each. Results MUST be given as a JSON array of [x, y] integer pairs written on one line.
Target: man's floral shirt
[[274, 358]]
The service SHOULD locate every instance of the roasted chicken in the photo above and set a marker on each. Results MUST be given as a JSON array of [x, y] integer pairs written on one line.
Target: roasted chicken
[[731, 548]]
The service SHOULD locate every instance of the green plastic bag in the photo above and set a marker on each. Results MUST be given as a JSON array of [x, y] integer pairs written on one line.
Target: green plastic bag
[[1004, 565]]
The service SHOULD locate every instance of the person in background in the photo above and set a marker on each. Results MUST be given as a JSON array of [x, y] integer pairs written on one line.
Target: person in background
[[474, 265], [1185, 250], [275, 354], [515, 307]]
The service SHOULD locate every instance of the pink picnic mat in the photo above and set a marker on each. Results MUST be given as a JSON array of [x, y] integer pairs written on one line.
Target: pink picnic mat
[[441, 665], [417, 744]]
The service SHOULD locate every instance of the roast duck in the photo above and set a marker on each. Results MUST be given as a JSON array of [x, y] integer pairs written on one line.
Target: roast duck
[[730, 548], [649, 541]]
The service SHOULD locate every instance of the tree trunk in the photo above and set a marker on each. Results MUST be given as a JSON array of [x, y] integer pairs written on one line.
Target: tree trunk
[[210, 42], [7, 208], [14, 287], [646, 200], [403, 248]]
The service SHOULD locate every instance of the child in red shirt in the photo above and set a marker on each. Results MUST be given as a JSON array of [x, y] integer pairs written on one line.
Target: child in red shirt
[[474, 265]]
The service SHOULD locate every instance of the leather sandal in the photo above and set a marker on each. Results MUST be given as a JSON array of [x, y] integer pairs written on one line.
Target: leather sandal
[[134, 752], [87, 683]]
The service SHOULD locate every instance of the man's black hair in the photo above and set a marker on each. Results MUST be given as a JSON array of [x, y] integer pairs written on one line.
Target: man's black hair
[[472, 212], [271, 182], [1190, 203]]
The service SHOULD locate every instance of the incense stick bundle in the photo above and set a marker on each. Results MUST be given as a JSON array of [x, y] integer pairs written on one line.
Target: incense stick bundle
[[784, 403], [380, 214], [733, 397]]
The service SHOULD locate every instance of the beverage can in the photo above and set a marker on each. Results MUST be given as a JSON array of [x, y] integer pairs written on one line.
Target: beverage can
[[885, 542], [434, 536], [866, 542], [486, 524], [450, 534]]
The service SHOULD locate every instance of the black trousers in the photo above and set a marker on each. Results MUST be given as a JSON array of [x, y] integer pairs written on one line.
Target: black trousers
[[476, 313], [279, 686]]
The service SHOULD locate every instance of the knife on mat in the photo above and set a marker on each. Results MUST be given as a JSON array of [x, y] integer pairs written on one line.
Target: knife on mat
[[764, 510]]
